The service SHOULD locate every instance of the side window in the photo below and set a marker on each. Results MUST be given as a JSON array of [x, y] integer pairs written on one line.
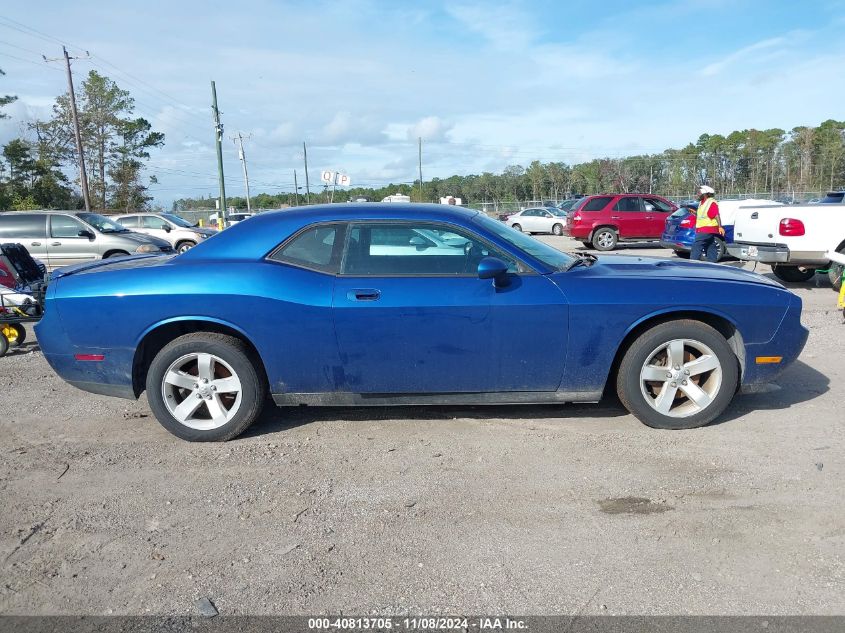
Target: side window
[[312, 248], [151, 222], [65, 227], [415, 249], [15, 225], [130, 222], [659, 204], [627, 203], [596, 204]]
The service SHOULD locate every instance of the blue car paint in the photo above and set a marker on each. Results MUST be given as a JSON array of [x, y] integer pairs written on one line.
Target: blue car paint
[[547, 331], [681, 239]]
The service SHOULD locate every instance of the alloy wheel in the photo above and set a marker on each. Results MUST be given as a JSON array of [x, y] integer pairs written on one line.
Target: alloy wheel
[[201, 391], [681, 378]]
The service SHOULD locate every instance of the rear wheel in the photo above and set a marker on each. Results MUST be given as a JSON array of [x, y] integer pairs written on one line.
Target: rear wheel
[[678, 375], [4, 346], [793, 274], [205, 387], [518, 227], [605, 239], [835, 273], [557, 229], [587, 244], [721, 249], [683, 254]]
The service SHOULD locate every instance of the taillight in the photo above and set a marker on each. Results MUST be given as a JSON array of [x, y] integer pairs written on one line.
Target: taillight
[[576, 217], [688, 222], [791, 227]]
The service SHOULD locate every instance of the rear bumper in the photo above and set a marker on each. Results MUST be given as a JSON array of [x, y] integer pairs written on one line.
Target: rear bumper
[[776, 254], [674, 245]]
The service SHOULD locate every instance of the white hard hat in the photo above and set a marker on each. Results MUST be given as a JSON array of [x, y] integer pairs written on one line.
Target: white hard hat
[[706, 189]]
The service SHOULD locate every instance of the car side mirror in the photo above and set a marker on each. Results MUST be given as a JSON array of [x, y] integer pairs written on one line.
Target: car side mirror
[[86, 233], [166, 228], [495, 269], [419, 242]]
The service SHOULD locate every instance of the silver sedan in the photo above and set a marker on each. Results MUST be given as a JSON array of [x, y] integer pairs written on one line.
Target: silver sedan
[[538, 220]]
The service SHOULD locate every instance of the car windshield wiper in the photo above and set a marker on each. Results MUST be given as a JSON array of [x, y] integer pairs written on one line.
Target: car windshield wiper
[[585, 259]]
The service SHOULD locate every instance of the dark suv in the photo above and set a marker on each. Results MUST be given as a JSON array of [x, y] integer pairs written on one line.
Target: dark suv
[[602, 221]]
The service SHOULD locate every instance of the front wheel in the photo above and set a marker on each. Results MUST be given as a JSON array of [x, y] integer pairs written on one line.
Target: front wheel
[[678, 375], [184, 246], [605, 239], [205, 387], [14, 333], [793, 274], [557, 229]]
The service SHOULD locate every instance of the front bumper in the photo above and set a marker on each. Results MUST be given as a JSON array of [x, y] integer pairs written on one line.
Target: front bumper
[[787, 342]]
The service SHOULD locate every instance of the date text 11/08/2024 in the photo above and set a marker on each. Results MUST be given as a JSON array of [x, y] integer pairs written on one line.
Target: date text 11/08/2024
[[418, 623]]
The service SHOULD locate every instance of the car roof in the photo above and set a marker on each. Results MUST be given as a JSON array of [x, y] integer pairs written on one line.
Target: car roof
[[264, 231]]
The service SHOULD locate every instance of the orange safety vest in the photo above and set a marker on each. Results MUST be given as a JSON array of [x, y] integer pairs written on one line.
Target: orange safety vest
[[701, 218]]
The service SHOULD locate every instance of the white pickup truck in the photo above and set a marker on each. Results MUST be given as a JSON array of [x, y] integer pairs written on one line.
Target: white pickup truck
[[794, 239]]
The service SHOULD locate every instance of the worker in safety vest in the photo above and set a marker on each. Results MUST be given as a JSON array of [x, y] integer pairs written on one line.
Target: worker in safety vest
[[708, 226]]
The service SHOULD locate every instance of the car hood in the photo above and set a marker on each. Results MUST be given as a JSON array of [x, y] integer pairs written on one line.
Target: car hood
[[656, 268], [204, 231]]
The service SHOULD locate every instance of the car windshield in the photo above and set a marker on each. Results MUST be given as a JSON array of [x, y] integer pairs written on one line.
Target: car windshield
[[102, 223], [558, 213], [177, 220], [551, 257]]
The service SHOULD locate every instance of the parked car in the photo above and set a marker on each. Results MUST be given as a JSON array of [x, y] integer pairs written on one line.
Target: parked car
[[289, 301], [60, 238], [794, 239], [180, 233], [602, 221], [679, 231], [567, 205], [538, 220]]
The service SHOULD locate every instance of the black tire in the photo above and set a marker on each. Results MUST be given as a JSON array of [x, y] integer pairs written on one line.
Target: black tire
[[721, 249], [642, 350], [234, 353], [185, 245], [605, 239], [793, 274], [557, 229], [15, 338], [518, 227], [587, 244], [683, 254], [116, 254], [834, 273], [4, 345]]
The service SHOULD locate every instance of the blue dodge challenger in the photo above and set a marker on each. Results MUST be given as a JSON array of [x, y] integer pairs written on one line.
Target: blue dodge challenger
[[380, 304]]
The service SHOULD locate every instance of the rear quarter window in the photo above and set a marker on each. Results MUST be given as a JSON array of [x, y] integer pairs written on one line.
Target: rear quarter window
[[14, 225], [596, 204], [316, 248]]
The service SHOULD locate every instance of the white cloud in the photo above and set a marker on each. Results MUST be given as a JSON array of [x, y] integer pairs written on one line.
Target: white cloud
[[742, 54], [430, 128], [504, 26]]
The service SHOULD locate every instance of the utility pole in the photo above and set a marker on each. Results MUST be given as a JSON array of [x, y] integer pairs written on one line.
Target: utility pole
[[295, 190], [307, 186], [240, 140], [420, 158], [83, 175], [218, 134]]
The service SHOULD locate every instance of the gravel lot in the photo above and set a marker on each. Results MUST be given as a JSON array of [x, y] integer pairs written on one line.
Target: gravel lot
[[524, 510]]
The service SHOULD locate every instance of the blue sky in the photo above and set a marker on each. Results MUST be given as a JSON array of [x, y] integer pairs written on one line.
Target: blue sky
[[486, 84]]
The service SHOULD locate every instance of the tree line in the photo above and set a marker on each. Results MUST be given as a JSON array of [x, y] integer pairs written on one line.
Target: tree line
[[766, 163], [115, 144]]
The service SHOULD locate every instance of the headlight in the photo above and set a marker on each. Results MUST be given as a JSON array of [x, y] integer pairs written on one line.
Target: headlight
[[201, 236], [147, 248]]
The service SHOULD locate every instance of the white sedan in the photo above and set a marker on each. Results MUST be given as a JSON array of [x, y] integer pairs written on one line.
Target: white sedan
[[538, 220]]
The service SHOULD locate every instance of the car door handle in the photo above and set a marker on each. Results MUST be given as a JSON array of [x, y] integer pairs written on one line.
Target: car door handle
[[649, 217], [615, 217], [363, 294], [35, 244], [55, 243]]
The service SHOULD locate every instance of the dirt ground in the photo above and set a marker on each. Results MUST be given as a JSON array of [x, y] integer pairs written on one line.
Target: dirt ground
[[454, 510]]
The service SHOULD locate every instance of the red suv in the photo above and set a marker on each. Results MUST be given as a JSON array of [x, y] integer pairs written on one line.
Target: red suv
[[602, 221]]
